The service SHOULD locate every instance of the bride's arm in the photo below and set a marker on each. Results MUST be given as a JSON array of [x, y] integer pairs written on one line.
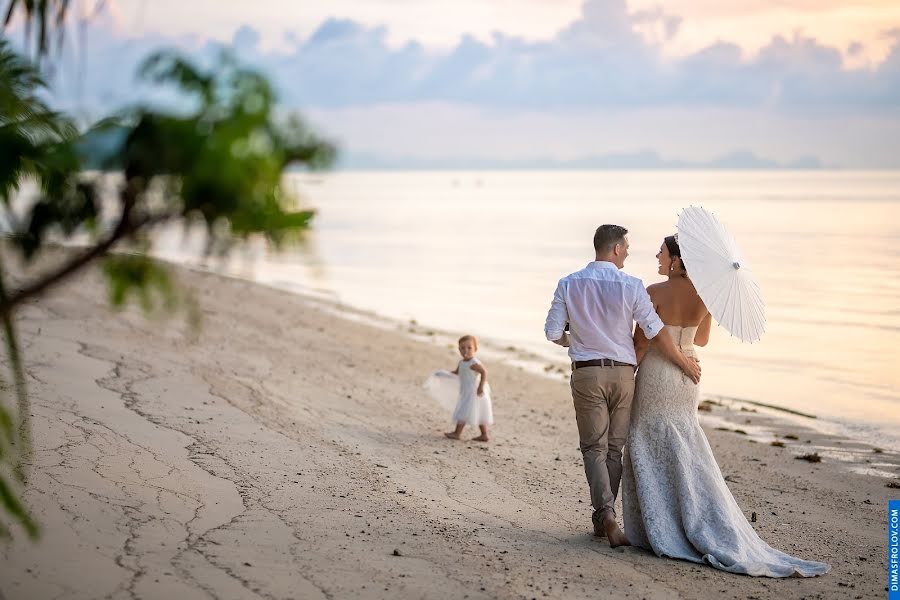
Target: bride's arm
[[641, 344], [702, 336]]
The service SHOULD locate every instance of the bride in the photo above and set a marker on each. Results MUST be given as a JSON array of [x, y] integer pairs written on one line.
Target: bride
[[674, 497]]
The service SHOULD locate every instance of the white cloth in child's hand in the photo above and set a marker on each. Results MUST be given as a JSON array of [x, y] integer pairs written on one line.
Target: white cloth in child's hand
[[443, 386]]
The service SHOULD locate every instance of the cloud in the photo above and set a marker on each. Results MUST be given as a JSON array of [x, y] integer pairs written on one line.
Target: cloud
[[603, 59], [246, 39]]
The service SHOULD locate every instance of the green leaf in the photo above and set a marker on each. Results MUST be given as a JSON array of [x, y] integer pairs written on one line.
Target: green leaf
[[139, 276], [47, 16], [16, 509]]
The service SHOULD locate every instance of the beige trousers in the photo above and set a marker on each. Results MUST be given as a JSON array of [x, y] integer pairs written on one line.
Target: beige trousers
[[602, 397]]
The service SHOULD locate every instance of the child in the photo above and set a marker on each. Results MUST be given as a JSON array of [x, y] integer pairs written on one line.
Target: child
[[474, 404]]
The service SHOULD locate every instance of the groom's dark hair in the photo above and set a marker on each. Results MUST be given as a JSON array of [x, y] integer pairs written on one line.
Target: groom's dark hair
[[607, 236]]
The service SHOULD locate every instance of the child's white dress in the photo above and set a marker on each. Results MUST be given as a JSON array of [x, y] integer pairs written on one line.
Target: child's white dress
[[471, 408], [443, 386]]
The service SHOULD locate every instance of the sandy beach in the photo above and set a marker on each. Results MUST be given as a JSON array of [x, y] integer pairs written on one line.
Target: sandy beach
[[286, 452]]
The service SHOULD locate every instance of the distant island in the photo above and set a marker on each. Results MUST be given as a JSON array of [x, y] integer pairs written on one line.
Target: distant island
[[643, 159], [97, 147]]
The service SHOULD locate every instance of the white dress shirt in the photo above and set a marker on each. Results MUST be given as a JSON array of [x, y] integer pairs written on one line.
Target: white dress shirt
[[601, 303]]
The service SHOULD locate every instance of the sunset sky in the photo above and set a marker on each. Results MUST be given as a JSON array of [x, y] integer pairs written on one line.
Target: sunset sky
[[521, 79], [439, 23]]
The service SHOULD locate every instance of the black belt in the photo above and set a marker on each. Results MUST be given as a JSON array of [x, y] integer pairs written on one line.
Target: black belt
[[599, 362]]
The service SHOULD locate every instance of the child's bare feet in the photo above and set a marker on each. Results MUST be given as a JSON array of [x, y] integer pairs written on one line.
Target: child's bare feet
[[484, 434], [452, 435]]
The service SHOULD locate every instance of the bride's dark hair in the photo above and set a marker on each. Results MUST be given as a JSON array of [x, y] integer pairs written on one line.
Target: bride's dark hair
[[671, 242]]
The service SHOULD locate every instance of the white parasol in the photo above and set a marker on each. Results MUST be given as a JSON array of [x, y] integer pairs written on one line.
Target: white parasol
[[720, 273]]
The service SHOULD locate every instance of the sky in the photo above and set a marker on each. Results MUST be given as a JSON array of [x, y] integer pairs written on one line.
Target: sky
[[438, 23], [525, 79]]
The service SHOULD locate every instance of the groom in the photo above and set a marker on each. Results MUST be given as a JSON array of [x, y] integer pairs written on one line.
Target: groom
[[600, 304]]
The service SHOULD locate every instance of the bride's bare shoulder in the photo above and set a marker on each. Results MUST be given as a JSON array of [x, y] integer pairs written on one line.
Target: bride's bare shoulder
[[655, 289]]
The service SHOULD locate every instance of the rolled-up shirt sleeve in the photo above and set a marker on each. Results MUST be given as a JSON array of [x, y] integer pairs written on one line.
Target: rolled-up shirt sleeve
[[558, 315], [644, 313]]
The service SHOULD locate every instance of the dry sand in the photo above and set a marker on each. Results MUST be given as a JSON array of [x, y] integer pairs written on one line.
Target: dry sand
[[289, 453]]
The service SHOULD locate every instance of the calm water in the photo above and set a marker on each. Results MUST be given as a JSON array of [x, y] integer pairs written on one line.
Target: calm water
[[482, 252]]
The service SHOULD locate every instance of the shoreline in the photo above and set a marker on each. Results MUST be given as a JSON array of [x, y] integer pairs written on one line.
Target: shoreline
[[826, 431], [284, 452]]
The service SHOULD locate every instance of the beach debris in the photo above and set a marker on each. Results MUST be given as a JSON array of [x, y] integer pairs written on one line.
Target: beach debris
[[740, 431], [877, 450], [397, 552], [791, 437], [812, 457], [777, 444], [706, 405], [753, 517], [894, 484], [745, 409]]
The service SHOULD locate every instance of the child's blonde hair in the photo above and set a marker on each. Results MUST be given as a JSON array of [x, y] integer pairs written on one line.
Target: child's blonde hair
[[467, 338]]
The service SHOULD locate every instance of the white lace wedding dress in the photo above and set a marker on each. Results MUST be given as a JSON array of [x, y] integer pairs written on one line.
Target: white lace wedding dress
[[675, 500]]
